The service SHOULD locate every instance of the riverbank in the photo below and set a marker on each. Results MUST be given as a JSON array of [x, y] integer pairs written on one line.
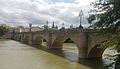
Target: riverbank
[[2, 38]]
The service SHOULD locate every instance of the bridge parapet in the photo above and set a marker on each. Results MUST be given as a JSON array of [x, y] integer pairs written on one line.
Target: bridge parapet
[[65, 31]]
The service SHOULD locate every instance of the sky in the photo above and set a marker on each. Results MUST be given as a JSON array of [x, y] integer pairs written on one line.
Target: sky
[[38, 12]]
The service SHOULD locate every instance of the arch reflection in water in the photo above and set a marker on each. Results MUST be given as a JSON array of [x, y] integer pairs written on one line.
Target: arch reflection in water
[[70, 49]]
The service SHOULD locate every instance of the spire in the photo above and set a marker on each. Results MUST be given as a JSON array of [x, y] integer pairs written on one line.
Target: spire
[[71, 26], [47, 23], [53, 26], [56, 27], [63, 24]]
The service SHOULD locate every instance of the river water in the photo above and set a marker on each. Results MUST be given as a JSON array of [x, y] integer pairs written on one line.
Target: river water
[[15, 55]]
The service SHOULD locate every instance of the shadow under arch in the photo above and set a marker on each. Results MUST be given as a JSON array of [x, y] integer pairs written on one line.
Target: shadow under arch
[[97, 51], [68, 47], [68, 43], [39, 40], [20, 37], [59, 41], [70, 50], [26, 39], [44, 42]]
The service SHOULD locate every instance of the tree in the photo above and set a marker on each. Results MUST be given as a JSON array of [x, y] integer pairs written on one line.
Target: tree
[[3, 30], [46, 27], [106, 15]]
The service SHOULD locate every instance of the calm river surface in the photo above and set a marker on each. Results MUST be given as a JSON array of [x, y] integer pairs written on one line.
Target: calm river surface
[[15, 55]]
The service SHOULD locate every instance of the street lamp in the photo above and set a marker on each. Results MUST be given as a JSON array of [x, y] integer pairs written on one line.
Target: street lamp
[[30, 26], [80, 15]]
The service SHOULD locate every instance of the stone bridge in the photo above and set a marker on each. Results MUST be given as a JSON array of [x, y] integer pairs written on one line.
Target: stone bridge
[[86, 40]]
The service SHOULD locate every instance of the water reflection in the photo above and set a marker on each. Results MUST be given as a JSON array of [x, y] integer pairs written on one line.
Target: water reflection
[[15, 55], [70, 53]]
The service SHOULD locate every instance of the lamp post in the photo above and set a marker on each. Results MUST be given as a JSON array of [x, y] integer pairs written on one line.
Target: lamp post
[[80, 15], [30, 26]]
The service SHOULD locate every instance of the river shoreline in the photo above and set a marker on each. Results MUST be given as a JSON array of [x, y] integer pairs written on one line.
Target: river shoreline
[[1, 39]]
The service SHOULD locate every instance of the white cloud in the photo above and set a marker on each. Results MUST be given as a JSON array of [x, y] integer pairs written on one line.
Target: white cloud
[[22, 12], [84, 2]]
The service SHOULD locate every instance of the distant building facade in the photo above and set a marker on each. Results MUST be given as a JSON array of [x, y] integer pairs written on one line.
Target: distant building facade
[[4, 25], [25, 29]]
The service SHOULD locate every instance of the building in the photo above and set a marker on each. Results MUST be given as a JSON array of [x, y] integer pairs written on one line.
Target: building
[[4, 25], [16, 29], [34, 29], [25, 29]]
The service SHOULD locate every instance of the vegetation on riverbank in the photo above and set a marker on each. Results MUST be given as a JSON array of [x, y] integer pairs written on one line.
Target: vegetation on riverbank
[[3, 30], [106, 15]]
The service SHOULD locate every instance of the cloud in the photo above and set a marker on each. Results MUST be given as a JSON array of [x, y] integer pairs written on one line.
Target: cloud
[[84, 2], [37, 12]]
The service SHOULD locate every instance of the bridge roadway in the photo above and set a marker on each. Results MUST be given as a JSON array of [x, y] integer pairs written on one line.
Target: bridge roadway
[[86, 40]]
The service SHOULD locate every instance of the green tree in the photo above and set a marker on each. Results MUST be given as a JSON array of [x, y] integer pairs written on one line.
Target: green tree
[[106, 15], [3, 30], [46, 27]]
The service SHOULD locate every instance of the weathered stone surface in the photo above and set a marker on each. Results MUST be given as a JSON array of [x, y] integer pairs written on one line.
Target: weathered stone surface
[[85, 40]]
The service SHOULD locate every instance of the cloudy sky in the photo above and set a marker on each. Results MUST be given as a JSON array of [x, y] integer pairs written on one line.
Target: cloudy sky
[[37, 12]]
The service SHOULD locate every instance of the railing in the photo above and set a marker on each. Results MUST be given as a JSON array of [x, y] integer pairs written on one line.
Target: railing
[[65, 30]]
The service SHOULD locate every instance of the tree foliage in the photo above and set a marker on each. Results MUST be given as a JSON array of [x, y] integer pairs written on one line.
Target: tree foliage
[[106, 15], [46, 27], [3, 30]]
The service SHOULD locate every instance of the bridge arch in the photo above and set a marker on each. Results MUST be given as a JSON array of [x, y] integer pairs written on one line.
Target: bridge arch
[[27, 39], [38, 40], [15, 37], [96, 51], [44, 42], [79, 39], [71, 40], [70, 46], [19, 38], [59, 41], [94, 47]]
